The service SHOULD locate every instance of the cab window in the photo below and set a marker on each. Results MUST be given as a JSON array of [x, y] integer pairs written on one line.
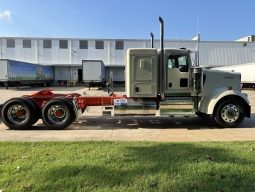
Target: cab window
[[143, 68], [178, 61]]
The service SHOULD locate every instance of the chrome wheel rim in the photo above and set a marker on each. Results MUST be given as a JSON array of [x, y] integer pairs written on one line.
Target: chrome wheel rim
[[17, 114], [57, 114], [230, 113]]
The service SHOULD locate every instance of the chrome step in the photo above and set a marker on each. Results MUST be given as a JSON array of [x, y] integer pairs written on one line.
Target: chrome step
[[107, 110]]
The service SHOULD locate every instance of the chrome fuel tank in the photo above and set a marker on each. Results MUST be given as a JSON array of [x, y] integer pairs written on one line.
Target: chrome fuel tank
[[128, 106]]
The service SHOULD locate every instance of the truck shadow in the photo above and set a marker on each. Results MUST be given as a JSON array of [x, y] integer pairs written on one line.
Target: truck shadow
[[113, 123]]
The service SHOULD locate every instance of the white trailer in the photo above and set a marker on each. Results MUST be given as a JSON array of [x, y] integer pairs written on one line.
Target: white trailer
[[247, 73], [93, 72]]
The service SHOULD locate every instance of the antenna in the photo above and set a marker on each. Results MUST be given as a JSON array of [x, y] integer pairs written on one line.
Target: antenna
[[198, 41], [197, 49], [197, 25]]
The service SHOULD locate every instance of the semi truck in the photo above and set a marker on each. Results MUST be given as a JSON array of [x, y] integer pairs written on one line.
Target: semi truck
[[159, 82], [18, 73]]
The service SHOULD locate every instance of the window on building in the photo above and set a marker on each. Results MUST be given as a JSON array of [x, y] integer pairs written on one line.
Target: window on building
[[253, 38], [27, 43], [47, 44], [63, 44], [83, 44], [99, 45], [119, 45], [10, 43]]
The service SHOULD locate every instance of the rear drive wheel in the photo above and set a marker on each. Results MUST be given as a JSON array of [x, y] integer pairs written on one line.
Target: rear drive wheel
[[36, 111], [58, 113], [229, 113], [19, 113]]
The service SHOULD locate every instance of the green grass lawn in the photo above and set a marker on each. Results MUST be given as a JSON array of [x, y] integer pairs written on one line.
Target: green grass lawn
[[127, 166]]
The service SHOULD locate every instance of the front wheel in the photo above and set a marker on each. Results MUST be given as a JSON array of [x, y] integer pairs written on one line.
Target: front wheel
[[58, 113], [229, 113]]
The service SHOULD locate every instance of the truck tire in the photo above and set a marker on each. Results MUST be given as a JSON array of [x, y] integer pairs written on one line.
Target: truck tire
[[229, 113], [37, 111], [19, 113], [58, 113]]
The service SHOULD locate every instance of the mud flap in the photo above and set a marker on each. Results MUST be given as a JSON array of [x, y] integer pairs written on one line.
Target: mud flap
[[78, 112]]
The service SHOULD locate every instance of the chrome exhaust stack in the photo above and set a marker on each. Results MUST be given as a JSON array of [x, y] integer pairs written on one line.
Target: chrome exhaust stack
[[161, 60], [152, 40]]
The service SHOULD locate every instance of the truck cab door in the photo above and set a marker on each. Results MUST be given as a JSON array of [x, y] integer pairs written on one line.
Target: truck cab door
[[177, 73]]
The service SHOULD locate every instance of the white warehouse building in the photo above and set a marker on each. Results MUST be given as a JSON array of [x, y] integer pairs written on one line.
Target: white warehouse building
[[66, 55]]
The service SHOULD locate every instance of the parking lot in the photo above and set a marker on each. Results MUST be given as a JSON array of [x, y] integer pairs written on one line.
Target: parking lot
[[93, 126]]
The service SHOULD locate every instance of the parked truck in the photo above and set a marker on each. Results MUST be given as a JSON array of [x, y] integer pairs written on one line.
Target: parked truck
[[247, 73], [17, 73], [159, 82], [93, 73]]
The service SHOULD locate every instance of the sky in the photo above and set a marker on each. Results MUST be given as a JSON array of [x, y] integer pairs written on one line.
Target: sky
[[127, 19]]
